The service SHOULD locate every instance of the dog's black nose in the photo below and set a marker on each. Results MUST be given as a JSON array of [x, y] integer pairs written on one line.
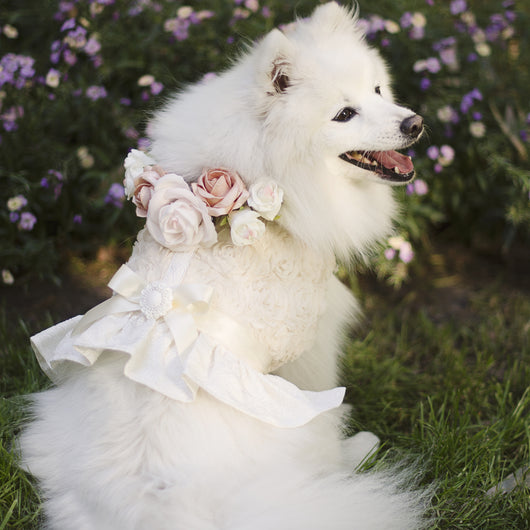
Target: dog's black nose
[[412, 126]]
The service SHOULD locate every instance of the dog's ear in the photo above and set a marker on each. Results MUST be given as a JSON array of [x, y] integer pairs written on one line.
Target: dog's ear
[[275, 66], [333, 17]]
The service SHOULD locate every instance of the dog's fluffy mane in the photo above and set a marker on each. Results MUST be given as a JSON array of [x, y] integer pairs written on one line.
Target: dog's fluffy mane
[[326, 204]]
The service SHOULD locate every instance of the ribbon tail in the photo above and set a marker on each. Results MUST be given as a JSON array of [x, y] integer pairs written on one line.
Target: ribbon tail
[[183, 329], [116, 304]]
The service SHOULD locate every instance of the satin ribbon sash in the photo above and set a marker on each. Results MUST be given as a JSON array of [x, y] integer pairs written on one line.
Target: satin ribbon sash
[[186, 311]]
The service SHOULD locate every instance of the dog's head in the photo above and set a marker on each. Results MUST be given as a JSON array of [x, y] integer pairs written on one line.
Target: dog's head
[[322, 77], [310, 107]]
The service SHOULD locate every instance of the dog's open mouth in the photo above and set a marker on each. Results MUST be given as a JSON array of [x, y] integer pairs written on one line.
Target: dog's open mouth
[[388, 165]]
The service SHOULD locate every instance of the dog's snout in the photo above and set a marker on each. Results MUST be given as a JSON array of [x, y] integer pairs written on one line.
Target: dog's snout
[[412, 126]]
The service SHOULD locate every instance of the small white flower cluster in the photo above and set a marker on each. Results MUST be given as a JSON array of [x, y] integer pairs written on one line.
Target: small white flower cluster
[[181, 217]]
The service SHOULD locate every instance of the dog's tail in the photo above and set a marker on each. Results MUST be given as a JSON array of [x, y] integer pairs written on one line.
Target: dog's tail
[[367, 501]]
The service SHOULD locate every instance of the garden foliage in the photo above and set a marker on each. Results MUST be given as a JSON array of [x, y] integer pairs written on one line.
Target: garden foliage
[[78, 79]]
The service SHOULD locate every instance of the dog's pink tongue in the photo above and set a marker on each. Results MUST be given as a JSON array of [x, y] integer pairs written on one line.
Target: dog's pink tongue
[[392, 159]]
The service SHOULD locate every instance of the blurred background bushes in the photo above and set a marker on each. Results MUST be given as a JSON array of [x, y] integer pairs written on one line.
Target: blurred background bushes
[[78, 79]]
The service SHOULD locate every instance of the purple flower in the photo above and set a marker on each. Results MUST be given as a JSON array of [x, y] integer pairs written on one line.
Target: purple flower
[[420, 187], [143, 144], [95, 92], [116, 195], [390, 253], [14, 216], [417, 33], [156, 88], [406, 254], [406, 20], [97, 61], [92, 46], [433, 65], [44, 182], [26, 66], [433, 152], [448, 42], [466, 103], [125, 101], [69, 24], [425, 83], [57, 174], [78, 219], [476, 94], [457, 7], [27, 221], [469, 98], [448, 56], [6, 77], [77, 37], [69, 57], [178, 27], [10, 126], [12, 64]]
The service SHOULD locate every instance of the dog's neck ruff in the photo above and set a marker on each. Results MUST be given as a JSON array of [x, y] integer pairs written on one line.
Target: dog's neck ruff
[[177, 337]]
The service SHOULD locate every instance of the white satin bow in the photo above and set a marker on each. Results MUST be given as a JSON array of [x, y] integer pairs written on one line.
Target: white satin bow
[[180, 307]]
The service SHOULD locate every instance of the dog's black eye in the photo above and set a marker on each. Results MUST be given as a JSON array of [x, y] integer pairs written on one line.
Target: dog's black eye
[[345, 114], [378, 90]]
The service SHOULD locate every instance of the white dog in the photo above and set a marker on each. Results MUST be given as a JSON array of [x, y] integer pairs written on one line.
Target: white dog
[[202, 394]]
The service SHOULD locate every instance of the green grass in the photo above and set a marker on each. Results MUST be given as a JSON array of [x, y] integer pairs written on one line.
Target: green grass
[[455, 395], [445, 387], [20, 375]]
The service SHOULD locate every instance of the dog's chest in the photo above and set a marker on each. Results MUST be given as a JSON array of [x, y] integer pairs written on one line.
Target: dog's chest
[[276, 287]]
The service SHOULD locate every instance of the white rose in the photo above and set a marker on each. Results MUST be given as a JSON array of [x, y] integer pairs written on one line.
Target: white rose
[[134, 165], [266, 198], [176, 218], [245, 227]]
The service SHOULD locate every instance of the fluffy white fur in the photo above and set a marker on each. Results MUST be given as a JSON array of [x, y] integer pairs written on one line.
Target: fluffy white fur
[[112, 454]]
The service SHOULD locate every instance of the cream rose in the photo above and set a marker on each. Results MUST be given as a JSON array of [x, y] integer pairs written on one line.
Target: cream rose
[[245, 227], [144, 186], [266, 198], [134, 165], [222, 191], [176, 218]]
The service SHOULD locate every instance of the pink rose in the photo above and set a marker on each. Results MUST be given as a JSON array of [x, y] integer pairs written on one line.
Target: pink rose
[[144, 185], [176, 218], [222, 191]]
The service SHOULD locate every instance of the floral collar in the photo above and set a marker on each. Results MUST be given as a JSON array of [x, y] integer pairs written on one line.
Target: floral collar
[[181, 217]]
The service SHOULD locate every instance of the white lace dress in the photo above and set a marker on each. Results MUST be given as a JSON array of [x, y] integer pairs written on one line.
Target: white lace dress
[[219, 318]]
